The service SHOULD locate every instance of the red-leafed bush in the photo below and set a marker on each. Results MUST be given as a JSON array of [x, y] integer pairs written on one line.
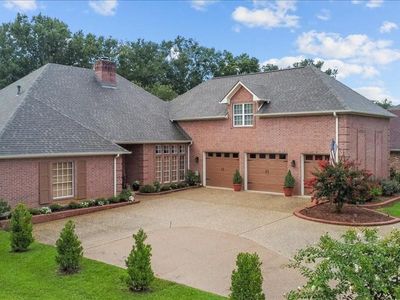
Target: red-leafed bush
[[341, 183]]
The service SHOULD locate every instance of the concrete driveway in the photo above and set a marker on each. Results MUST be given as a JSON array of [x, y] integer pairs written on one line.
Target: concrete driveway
[[196, 235]]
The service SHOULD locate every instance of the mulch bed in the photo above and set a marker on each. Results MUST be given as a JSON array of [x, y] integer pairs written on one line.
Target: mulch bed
[[168, 192], [351, 215]]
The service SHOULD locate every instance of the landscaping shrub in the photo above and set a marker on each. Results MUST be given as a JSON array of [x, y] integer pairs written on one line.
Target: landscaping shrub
[[5, 209], [69, 249], [157, 185], [115, 199], [340, 183], [182, 184], [34, 211], [394, 175], [247, 279], [100, 201], [147, 189], [125, 194], [21, 229], [45, 210], [174, 186], [56, 207], [165, 187], [192, 178], [390, 187], [74, 205], [136, 185], [357, 266], [237, 178], [375, 192], [139, 264], [289, 180]]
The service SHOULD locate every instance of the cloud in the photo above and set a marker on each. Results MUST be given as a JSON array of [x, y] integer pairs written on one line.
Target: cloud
[[374, 93], [357, 47], [387, 27], [345, 69], [370, 3], [201, 4], [21, 5], [104, 7], [324, 15], [267, 15]]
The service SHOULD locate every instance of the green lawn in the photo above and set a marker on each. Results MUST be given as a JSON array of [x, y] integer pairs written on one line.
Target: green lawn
[[393, 210], [33, 275]]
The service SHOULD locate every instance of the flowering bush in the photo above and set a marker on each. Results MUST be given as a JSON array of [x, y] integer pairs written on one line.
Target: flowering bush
[[45, 210], [341, 183], [359, 266]]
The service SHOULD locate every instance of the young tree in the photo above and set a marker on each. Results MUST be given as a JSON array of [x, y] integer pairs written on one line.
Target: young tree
[[21, 229], [139, 264], [69, 249], [247, 279], [359, 266]]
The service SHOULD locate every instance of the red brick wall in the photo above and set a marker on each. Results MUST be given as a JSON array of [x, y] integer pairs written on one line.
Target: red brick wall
[[292, 135], [366, 140], [133, 163], [19, 179]]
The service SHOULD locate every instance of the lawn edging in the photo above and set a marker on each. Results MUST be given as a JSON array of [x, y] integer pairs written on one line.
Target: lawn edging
[[36, 219], [381, 204], [300, 215], [168, 192]]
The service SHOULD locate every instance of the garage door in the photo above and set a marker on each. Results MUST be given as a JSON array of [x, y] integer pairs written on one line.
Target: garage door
[[266, 171], [310, 166], [220, 168]]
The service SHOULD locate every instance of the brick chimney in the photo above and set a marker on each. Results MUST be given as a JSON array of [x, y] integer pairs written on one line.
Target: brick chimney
[[105, 73]]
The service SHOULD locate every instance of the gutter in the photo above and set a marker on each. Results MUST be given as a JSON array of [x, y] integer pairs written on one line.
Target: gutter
[[336, 135], [201, 118], [115, 175], [326, 112], [152, 142], [71, 154]]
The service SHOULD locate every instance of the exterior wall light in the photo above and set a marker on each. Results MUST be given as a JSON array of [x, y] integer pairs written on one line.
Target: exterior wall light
[[293, 163]]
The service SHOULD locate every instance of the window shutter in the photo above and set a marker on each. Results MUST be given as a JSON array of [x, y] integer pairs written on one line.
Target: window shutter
[[81, 179], [44, 183]]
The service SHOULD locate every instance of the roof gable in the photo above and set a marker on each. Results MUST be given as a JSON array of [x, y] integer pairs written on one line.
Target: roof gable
[[233, 91]]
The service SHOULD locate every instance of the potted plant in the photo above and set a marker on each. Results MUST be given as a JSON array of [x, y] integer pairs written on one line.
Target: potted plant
[[288, 184], [237, 181]]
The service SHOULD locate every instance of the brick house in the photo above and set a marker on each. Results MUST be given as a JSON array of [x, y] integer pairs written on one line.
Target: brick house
[[74, 133], [395, 139]]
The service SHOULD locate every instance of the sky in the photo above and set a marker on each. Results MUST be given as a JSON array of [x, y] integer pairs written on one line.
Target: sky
[[359, 38]]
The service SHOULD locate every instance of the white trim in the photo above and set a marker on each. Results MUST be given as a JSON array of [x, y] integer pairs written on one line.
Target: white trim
[[204, 170], [243, 114], [302, 174], [234, 89], [201, 118], [75, 154], [321, 112], [74, 176], [153, 142], [336, 136], [115, 175], [245, 171], [188, 156]]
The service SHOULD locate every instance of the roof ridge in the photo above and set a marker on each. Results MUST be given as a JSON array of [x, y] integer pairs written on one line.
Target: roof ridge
[[258, 73], [24, 98]]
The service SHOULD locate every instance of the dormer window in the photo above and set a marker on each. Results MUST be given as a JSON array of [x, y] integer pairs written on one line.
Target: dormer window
[[243, 115]]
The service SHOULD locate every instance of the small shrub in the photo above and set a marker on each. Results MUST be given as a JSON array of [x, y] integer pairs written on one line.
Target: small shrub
[[56, 207], [139, 264], [192, 178], [125, 194], [136, 185], [100, 201], [5, 209], [289, 180], [148, 188], [45, 210], [69, 249], [115, 199], [157, 186], [237, 178], [21, 229], [182, 185], [376, 191], [74, 205], [390, 187], [247, 279], [174, 186], [394, 175], [34, 211], [165, 187]]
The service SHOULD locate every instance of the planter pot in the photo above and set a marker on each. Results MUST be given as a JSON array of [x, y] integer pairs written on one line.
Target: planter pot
[[288, 191], [237, 187]]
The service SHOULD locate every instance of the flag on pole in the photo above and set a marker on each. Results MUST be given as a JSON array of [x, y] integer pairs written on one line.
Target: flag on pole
[[332, 154]]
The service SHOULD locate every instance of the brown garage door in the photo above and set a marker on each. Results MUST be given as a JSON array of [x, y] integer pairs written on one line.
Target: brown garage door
[[266, 171], [220, 168], [310, 166]]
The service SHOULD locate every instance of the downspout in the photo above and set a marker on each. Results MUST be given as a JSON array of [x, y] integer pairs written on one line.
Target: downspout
[[188, 154], [336, 135], [115, 175]]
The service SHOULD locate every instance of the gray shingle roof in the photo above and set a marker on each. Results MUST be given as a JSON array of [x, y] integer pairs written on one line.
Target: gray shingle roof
[[63, 109], [296, 90]]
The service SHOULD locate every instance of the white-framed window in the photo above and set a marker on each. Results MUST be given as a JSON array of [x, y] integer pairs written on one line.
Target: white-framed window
[[182, 149], [174, 168], [159, 168], [159, 149], [243, 115], [166, 169], [63, 180], [166, 149], [173, 149], [182, 167]]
